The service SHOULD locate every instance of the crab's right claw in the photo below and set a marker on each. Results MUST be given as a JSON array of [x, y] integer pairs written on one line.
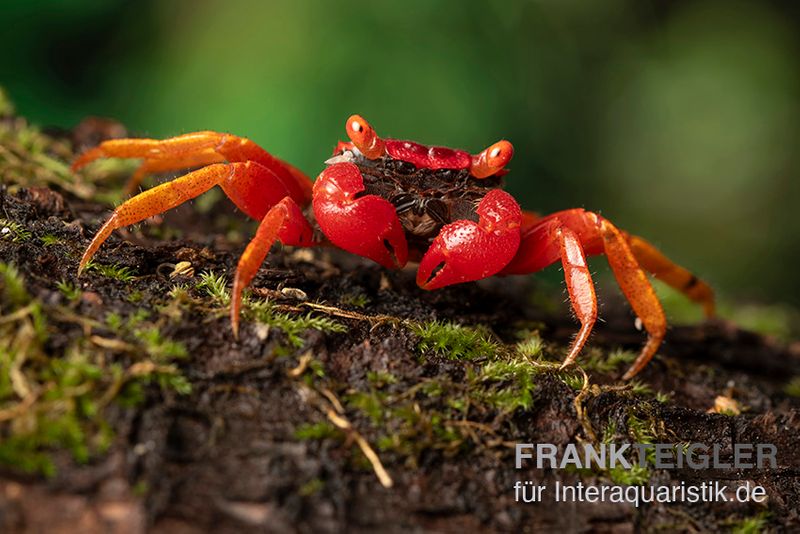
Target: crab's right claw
[[465, 251], [363, 224]]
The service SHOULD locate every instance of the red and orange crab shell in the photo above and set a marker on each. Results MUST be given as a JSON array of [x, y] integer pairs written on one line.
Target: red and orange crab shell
[[394, 201]]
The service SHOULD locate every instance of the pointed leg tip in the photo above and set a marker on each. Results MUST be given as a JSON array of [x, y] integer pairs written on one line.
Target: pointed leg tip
[[630, 373], [235, 324]]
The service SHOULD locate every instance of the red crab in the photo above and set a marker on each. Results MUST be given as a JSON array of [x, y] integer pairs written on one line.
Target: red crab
[[393, 201]]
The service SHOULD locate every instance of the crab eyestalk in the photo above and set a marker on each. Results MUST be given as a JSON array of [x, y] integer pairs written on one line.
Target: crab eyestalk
[[364, 137], [491, 160]]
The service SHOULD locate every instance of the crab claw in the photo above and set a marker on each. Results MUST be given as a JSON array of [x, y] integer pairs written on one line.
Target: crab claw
[[366, 225], [465, 251]]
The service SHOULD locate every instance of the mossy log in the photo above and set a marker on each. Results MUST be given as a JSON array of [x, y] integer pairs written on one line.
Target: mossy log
[[352, 401]]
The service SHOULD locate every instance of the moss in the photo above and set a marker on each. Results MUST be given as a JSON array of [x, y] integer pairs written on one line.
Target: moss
[[380, 379], [215, 286], [751, 525], [69, 290], [48, 402], [30, 158], [454, 341], [662, 397], [441, 414], [312, 487], [531, 347], [293, 326], [372, 403], [13, 231], [321, 430], [357, 300], [158, 347], [571, 378], [48, 240], [638, 430], [635, 476], [596, 360], [12, 286], [639, 388], [117, 272], [504, 384], [792, 388]]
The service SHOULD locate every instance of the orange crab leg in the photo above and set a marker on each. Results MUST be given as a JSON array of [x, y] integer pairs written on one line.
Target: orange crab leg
[[283, 222], [155, 166], [251, 186], [155, 201], [637, 289], [657, 264], [580, 288], [568, 236], [199, 148], [672, 274]]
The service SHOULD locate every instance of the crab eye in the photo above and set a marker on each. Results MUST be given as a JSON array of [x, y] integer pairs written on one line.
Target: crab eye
[[492, 159], [364, 137]]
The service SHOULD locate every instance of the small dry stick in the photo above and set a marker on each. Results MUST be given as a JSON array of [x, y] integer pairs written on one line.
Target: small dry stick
[[342, 423], [582, 417]]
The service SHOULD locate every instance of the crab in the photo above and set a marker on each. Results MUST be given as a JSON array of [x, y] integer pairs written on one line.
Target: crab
[[394, 201]]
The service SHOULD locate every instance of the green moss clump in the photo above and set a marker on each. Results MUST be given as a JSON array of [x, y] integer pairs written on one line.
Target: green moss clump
[[29, 157], [13, 231], [793, 387], [215, 286], [320, 430], [454, 341], [293, 326], [751, 525], [69, 290], [117, 272], [50, 402]]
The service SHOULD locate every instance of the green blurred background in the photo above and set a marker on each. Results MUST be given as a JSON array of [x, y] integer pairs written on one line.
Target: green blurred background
[[677, 120]]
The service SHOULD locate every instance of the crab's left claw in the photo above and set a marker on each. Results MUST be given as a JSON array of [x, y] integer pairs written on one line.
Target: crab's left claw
[[360, 223], [465, 251]]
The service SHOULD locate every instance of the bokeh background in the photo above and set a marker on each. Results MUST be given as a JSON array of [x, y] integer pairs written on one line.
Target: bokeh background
[[678, 120]]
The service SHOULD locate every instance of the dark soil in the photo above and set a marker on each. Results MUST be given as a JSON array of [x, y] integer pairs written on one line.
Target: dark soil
[[253, 446]]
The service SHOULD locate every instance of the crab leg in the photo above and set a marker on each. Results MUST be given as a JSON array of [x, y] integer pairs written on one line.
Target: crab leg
[[155, 166], [155, 201], [636, 287], [657, 264], [579, 286], [283, 222], [198, 148], [251, 186], [671, 273], [570, 235]]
